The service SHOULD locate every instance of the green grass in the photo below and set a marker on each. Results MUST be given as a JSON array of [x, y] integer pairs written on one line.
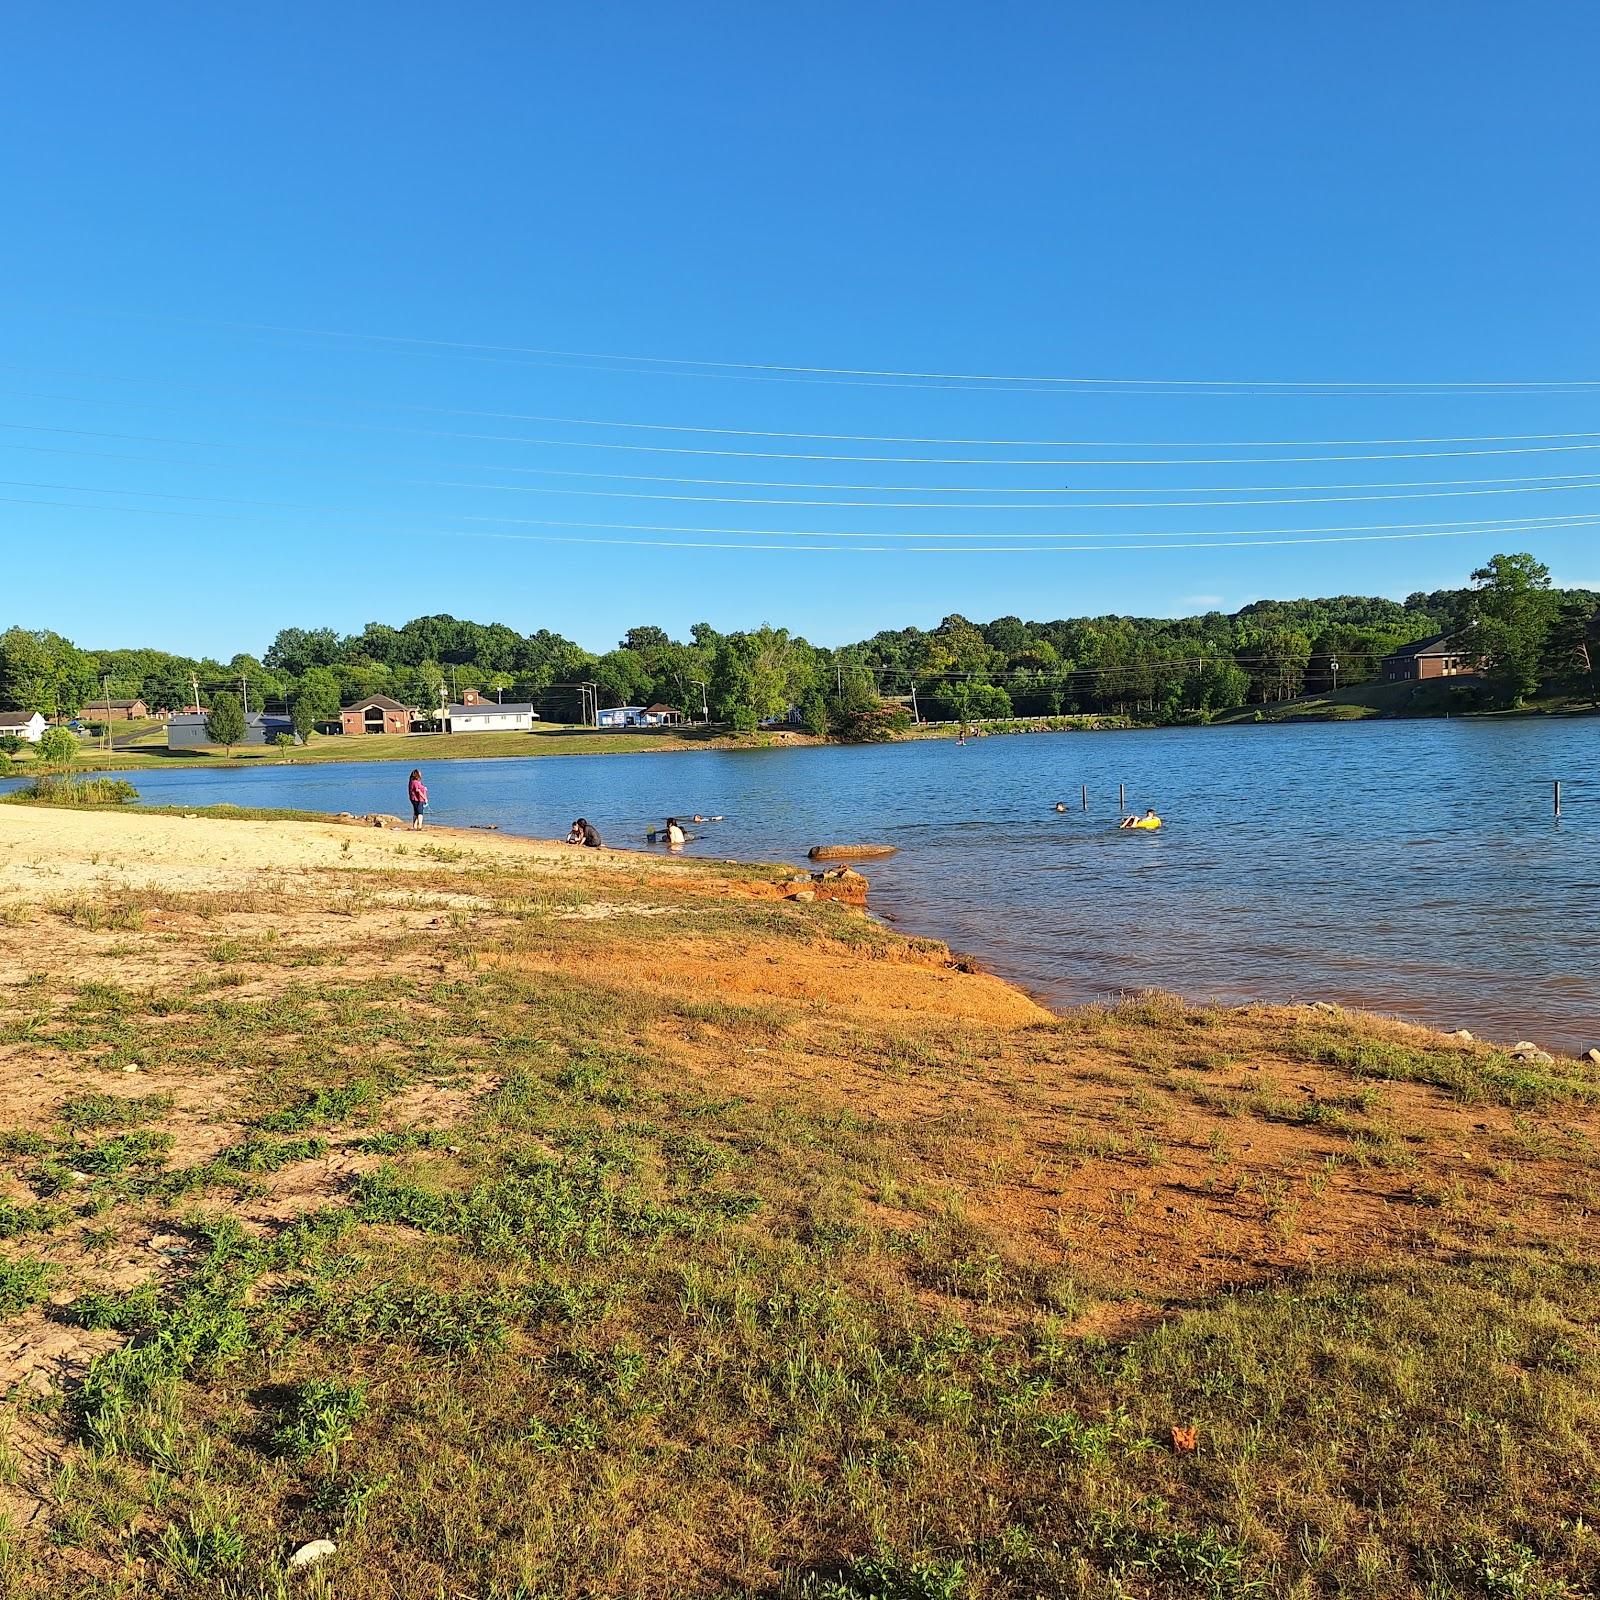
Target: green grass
[[554, 739], [614, 1328], [1436, 697], [84, 793], [1473, 1076]]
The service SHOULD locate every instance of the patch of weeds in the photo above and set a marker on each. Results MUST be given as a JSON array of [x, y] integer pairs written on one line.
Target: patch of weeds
[[1204, 1562], [131, 1311], [565, 1210], [437, 1322], [249, 1157], [19, 1219], [320, 1416], [322, 1107], [202, 1547], [123, 1152], [1091, 1442], [882, 1578], [23, 1281], [113, 1111], [346, 1495], [592, 1082], [400, 1140], [1504, 1570], [1497, 1077], [204, 1327]]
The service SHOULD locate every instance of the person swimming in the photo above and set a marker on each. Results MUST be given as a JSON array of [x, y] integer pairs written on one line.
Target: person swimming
[[1149, 820], [1061, 805]]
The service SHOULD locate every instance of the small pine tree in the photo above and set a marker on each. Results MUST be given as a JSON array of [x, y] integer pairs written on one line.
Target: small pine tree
[[225, 721], [303, 713], [814, 715]]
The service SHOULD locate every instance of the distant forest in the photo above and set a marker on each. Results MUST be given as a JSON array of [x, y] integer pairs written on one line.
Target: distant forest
[[1530, 636]]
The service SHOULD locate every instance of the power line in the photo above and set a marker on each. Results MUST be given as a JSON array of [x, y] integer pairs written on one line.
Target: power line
[[790, 455], [1576, 519], [785, 369], [1559, 478], [845, 438]]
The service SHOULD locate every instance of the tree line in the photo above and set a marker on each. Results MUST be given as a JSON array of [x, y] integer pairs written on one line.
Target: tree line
[[1529, 635]]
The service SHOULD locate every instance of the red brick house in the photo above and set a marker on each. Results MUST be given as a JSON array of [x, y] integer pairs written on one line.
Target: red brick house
[[376, 714], [1445, 655]]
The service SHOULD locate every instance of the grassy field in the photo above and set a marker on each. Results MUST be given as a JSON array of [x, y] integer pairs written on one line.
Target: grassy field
[[1435, 698], [554, 740], [538, 1224]]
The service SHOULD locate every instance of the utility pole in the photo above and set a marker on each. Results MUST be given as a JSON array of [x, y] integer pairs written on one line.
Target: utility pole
[[244, 686], [194, 686], [705, 710], [1335, 666], [916, 716], [105, 689]]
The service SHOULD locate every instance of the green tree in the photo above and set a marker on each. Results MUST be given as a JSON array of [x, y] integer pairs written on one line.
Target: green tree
[[319, 689], [295, 650], [758, 676], [303, 716], [814, 715], [40, 671], [167, 686], [1512, 610], [621, 677], [57, 747], [1573, 646], [225, 720]]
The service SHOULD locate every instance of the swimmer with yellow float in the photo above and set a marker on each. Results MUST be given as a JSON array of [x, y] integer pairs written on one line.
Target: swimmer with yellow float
[[1148, 821]]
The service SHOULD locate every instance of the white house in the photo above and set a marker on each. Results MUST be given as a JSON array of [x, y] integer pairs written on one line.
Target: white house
[[476, 715], [27, 725]]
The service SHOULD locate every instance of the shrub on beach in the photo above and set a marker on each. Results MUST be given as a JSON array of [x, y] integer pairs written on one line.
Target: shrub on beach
[[78, 792]]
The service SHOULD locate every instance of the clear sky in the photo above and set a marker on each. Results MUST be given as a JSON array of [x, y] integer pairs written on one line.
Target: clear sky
[[280, 283]]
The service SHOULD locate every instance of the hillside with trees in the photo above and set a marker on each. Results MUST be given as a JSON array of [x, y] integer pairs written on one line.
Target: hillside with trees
[[1534, 639]]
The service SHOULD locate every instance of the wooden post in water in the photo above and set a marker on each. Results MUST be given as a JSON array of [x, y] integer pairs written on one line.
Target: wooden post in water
[[1086, 797], [1557, 785], [1122, 797]]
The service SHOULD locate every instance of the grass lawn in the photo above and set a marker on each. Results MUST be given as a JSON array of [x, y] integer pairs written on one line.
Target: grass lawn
[[1434, 698], [544, 741], [609, 1227]]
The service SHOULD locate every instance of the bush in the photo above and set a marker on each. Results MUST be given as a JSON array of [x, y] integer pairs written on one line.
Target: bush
[[78, 792], [56, 747], [875, 725]]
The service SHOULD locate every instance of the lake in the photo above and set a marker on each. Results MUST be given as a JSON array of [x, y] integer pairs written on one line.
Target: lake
[[1413, 868]]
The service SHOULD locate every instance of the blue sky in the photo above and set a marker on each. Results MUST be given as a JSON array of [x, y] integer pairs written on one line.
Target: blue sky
[[227, 225]]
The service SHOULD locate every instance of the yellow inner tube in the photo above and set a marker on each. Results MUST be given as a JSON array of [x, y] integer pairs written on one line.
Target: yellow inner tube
[[1148, 822]]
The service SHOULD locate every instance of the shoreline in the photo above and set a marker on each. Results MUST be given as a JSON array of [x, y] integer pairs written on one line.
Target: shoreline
[[796, 878], [333, 749], [340, 1157]]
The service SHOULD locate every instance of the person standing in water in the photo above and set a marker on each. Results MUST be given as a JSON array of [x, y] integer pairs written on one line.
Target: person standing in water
[[675, 834], [417, 793]]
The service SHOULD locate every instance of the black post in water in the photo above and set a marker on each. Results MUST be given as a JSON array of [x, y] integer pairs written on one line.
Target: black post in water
[[1122, 797], [1557, 785], [1086, 797]]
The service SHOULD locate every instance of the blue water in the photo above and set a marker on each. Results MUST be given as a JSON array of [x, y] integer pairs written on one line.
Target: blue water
[[1411, 868]]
